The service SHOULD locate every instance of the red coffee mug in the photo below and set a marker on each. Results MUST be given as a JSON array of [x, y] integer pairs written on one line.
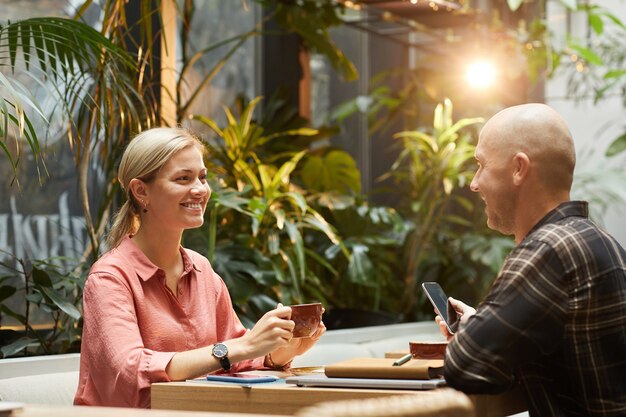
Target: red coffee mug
[[307, 318]]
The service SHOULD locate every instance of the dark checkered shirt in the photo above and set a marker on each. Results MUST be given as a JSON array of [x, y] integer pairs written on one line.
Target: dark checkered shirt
[[554, 321]]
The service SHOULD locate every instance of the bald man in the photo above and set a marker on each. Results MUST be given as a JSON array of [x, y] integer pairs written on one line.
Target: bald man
[[554, 319]]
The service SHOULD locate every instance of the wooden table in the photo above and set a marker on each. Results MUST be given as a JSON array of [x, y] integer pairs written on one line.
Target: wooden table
[[283, 399], [31, 410]]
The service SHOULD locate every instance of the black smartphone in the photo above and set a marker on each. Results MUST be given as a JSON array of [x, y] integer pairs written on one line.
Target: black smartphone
[[439, 300]]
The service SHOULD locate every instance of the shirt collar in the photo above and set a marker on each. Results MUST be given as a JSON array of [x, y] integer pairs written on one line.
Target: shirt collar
[[563, 210], [144, 268]]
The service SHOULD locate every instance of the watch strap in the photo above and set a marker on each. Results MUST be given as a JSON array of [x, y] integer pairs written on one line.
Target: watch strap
[[225, 363]]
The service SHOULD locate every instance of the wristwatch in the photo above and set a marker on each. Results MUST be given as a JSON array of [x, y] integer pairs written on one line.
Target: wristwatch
[[220, 352]]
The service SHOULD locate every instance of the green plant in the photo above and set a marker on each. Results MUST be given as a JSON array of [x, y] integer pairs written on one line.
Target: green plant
[[431, 167], [43, 289], [596, 63], [258, 217], [374, 237], [286, 223], [593, 61], [97, 86]]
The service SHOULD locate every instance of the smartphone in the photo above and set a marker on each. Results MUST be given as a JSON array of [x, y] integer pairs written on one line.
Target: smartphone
[[242, 378], [439, 300]]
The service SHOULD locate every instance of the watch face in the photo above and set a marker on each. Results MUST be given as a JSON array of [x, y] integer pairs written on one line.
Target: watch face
[[220, 350]]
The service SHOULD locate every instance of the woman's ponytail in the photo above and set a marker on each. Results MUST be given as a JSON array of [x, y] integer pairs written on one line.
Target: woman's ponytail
[[125, 222]]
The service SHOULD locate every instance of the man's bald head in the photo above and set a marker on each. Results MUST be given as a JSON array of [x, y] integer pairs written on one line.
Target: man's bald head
[[541, 133]]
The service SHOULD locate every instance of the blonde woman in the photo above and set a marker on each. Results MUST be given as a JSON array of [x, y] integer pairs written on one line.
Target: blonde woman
[[155, 311]]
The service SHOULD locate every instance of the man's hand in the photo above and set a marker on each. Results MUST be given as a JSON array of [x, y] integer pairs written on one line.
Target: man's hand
[[464, 312]]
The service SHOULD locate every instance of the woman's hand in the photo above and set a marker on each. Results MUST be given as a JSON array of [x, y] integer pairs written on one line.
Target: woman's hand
[[300, 345], [274, 330], [464, 312], [297, 346]]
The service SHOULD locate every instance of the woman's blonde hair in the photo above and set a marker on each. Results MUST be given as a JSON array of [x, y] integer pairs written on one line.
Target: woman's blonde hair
[[143, 158]]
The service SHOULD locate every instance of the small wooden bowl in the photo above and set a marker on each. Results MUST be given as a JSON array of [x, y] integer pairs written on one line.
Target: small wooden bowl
[[428, 350]]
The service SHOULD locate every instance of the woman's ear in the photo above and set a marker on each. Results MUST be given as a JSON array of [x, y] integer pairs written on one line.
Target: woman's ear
[[139, 191], [521, 163]]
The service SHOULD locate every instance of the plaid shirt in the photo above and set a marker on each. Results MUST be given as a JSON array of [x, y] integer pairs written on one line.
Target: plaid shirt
[[554, 320]]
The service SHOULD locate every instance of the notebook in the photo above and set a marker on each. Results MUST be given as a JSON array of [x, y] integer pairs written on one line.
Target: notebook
[[318, 380], [383, 368]]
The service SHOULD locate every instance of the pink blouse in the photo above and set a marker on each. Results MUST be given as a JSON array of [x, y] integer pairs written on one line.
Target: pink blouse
[[133, 324]]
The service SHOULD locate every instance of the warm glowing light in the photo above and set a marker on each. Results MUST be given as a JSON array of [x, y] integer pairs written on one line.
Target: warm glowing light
[[413, 1], [481, 74]]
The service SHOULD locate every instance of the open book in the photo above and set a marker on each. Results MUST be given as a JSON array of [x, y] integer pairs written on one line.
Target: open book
[[383, 368]]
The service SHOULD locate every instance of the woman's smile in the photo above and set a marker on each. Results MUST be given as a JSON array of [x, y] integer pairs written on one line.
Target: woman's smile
[[193, 206]]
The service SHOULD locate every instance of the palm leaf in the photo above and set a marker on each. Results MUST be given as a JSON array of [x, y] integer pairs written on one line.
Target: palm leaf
[[95, 82], [449, 134], [283, 173], [209, 122], [246, 116], [66, 50], [295, 236]]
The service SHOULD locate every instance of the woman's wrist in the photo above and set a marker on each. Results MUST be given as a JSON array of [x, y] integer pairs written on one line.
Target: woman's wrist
[[269, 363], [239, 350]]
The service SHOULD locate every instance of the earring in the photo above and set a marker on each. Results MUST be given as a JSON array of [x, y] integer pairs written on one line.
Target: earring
[[145, 210]]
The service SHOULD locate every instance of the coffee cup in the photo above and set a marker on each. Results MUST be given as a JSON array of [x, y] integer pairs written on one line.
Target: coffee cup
[[428, 350], [307, 318]]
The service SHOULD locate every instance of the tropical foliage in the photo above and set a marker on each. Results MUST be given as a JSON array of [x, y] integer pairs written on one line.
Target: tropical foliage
[[49, 290], [277, 209], [93, 81], [433, 167], [278, 233]]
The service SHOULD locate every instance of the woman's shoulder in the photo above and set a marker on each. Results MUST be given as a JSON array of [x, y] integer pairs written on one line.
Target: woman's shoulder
[[114, 264], [106, 261]]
